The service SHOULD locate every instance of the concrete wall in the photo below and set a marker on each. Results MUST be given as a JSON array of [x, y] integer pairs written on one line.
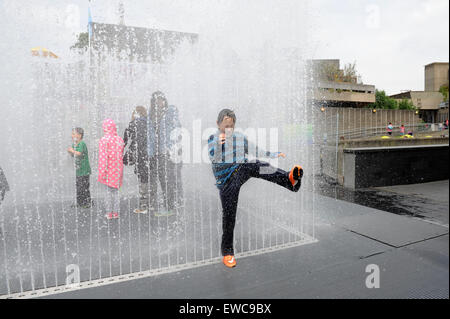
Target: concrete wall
[[332, 158], [426, 100], [388, 166], [436, 75], [343, 92]]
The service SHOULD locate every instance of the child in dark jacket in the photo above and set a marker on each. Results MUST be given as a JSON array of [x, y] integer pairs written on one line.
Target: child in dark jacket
[[136, 136], [228, 152]]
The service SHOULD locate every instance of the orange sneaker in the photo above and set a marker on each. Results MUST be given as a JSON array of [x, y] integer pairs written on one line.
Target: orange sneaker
[[296, 174], [229, 261]]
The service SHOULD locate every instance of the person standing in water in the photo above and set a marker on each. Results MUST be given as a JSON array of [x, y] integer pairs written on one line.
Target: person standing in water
[[79, 150], [110, 167], [163, 119], [228, 152], [136, 136]]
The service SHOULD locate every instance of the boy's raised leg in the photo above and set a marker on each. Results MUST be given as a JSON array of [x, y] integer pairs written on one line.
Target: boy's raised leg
[[263, 170]]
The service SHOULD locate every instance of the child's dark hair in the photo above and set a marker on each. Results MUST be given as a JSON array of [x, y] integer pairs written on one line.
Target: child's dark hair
[[155, 96], [226, 113], [80, 131]]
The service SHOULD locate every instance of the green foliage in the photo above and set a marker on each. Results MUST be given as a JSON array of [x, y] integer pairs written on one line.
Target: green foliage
[[406, 105], [444, 91], [82, 43], [382, 101], [331, 72], [349, 74]]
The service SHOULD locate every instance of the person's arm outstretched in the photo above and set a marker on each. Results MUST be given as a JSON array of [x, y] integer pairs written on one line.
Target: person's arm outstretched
[[254, 150]]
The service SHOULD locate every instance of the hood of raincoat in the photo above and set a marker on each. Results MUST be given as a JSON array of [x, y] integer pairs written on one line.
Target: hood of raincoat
[[109, 127]]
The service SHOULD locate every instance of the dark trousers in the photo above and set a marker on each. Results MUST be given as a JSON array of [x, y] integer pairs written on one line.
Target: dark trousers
[[83, 193], [229, 195], [168, 173]]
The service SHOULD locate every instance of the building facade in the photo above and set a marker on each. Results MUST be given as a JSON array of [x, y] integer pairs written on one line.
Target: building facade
[[436, 75], [331, 87], [430, 103]]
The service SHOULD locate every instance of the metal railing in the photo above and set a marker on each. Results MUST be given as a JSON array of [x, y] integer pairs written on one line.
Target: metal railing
[[368, 132]]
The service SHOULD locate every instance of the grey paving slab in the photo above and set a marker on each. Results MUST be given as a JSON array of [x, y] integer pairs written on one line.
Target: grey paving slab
[[350, 237], [322, 270], [392, 229], [289, 273], [39, 242], [437, 191]]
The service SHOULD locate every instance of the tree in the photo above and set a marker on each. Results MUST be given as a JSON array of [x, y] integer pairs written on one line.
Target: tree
[[406, 105], [330, 71], [382, 101], [444, 91], [349, 74], [82, 43]]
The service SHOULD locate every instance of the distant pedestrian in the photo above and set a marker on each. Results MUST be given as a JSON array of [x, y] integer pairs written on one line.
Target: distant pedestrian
[[79, 150], [402, 130], [110, 167], [446, 124], [389, 128]]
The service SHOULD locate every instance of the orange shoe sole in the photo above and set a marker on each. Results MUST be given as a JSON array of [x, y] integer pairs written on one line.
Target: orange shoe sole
[[291, 174], [229, 261]]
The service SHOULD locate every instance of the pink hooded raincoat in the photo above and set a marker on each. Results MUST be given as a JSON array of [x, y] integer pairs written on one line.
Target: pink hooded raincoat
[[110, 157]]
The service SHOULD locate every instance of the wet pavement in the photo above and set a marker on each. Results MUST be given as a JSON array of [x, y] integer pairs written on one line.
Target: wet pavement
[[428, 201], [400, 230], [412, 257]]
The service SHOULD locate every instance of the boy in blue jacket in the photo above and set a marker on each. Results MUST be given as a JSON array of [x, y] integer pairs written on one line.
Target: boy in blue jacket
[[228, 152]]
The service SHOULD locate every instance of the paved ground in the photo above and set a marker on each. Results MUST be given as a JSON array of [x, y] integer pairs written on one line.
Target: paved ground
[[411, 253], [412, 256], [429, 201], [436, 191]]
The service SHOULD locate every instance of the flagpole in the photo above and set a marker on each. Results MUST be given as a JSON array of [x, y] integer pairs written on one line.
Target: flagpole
[[89, 32]]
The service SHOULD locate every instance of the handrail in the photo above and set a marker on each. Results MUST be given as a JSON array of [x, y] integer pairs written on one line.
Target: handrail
[[374, 131]]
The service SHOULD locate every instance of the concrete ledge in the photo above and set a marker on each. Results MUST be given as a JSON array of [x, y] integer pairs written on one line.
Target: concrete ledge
[[400, 165], [361, 150]]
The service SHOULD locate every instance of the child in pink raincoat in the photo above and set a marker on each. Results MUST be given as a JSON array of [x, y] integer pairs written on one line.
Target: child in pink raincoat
[[110, 167]]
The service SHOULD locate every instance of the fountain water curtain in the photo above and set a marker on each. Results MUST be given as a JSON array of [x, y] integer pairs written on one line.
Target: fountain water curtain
[[46, 244]]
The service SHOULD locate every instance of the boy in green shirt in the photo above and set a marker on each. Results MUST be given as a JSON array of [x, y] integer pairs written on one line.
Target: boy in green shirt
[[83, 169]]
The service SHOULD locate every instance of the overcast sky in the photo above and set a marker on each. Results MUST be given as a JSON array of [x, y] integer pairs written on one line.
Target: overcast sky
[[390, 40]]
